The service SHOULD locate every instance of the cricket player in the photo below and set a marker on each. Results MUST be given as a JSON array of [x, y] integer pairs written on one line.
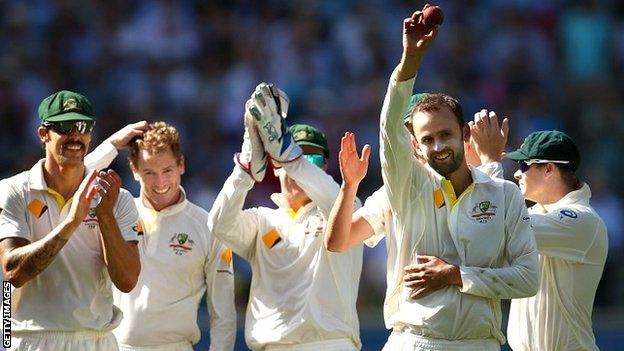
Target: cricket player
[[302, 297], [60, 246], [571, 242], [463, 238], [181, 260], [377, 214]]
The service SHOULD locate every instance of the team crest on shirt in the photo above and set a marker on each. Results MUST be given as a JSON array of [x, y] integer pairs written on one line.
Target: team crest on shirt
[[91, 220], [181, 243], [483, 211]]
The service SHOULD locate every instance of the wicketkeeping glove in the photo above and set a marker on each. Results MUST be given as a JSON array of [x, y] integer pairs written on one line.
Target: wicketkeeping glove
[[252, 158], [269, 106]]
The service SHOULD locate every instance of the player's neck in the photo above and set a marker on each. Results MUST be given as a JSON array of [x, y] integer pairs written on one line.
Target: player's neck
[[461, 179], [553, 192], [63, 179]]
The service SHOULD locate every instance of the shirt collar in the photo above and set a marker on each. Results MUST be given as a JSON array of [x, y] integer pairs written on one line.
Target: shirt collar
[[580, 196], [280, 200], [478, 176], [36, 181]]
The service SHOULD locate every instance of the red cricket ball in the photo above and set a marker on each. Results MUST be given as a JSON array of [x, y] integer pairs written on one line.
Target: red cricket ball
[[431, 16]]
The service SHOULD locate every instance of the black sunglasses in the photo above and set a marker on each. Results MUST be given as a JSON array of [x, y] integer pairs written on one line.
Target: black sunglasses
[[524, 165], [65, 127]]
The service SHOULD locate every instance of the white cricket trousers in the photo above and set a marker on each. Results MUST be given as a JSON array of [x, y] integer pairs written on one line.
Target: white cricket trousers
[[406, 341], [86, 340], [327, 345], [178, 346]]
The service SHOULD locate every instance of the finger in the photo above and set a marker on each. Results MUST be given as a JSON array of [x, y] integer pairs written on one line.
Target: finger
[[366, 151], [424, 258], [415, 284], [114, 176], [103, 184], [91, 193], [87, 181], [493, 118], [343, 143], [505, 128], [420, 293]]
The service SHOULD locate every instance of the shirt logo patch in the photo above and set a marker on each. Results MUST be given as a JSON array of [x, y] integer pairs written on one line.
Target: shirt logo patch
[[37, 208], [438, 198], [138, 228], [181, 243], [91, 220], [567, 213], [483, 211], [271, 238]]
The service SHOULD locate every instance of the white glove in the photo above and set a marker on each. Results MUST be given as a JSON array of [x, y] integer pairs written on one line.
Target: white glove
[[252, 158], [269, 106]]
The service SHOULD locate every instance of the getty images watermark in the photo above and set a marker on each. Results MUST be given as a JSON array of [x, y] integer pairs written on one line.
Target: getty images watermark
[[6, 314]]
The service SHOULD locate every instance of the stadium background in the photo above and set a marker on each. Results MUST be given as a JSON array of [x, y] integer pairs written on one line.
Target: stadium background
[[544, 64]]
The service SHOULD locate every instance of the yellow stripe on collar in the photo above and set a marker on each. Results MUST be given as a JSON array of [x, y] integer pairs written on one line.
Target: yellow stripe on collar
[[447, 187], [58, 198]]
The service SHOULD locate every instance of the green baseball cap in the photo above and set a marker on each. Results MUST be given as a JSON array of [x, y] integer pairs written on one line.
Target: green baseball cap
[[304, 134], [65, 105], [410, 107], [548, 145]]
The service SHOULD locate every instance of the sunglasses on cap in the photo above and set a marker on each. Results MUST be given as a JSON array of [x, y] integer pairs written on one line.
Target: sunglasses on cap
[[65, 127], [316, 159], [524, 165]]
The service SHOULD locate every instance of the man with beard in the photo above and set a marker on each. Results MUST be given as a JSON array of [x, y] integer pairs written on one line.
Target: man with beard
[[61, 247], [463, 238]]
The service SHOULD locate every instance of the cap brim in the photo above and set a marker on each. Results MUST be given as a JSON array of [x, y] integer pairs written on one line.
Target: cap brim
[[325, 151], [517, 156], [70, 116]]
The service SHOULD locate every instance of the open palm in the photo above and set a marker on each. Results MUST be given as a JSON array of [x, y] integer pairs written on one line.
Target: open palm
[[352, 167]]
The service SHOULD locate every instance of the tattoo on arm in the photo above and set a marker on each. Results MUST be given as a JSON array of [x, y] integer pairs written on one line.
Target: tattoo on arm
[[35, 257]]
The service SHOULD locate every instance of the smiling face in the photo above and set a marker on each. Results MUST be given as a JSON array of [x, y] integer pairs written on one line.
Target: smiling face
[[66, 150], [160, 176], [440, 139]]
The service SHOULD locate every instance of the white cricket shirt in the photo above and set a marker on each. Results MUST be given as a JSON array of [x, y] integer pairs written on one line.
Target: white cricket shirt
[[377, 212], [180, 261], [74, 292], [300, 292], [572, 245], [486, 232]]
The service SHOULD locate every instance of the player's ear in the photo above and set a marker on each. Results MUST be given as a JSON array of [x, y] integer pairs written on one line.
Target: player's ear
[[181, 165], [43, 133]]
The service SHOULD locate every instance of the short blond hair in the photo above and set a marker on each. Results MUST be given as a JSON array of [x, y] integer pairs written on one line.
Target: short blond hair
[[159, 137]]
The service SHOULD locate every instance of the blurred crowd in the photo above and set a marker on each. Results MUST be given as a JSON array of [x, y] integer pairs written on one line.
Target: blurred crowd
[[544, 64]]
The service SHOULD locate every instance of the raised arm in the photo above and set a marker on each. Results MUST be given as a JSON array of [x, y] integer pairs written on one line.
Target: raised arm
[[236, 228], [487, 140], [102, 156], [21, 259], [219, 274], [344, 228], [396, 152]]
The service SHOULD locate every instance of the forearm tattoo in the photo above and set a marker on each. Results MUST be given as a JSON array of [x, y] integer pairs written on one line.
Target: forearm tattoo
[[35, 259]]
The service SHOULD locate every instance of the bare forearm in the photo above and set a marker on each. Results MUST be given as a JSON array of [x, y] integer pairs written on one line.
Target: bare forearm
[[25, 262], [120, 256], [339, 224]]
